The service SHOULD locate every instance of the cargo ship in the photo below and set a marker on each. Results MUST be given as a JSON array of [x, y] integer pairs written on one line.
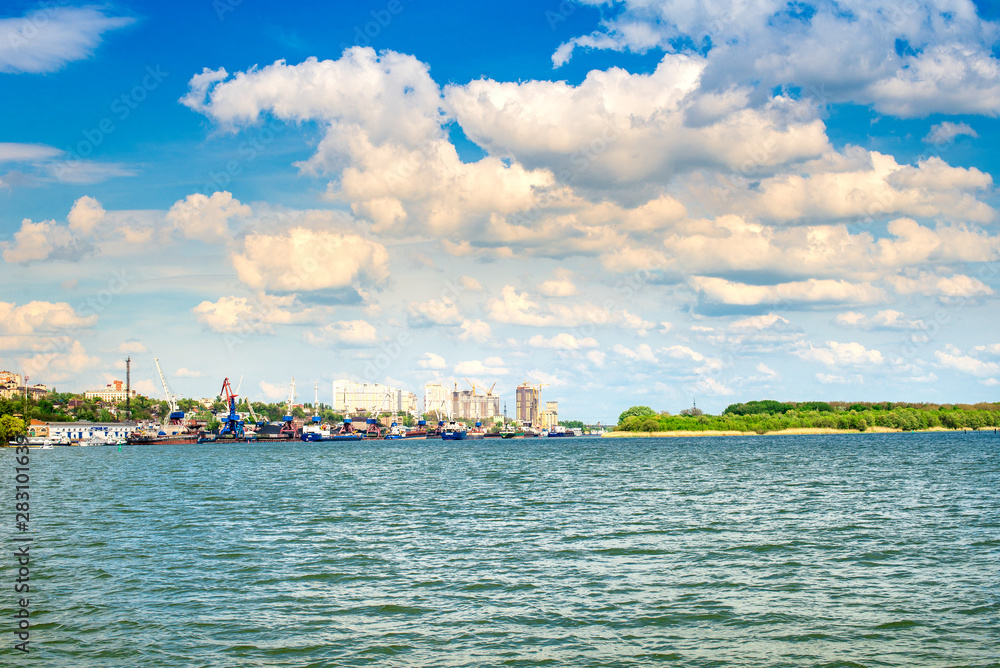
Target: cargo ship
[[455, 431]]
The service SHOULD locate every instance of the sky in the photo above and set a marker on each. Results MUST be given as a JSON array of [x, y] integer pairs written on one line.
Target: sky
[[657, 202]]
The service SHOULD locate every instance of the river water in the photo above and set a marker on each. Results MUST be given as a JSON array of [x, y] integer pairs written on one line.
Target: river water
[[833, 550]]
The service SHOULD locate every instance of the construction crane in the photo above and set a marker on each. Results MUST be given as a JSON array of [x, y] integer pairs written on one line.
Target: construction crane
[[489, 392], [473, 385], [175, 412]]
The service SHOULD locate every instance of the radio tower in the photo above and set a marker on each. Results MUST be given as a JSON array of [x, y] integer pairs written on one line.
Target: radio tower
[[128, 388]]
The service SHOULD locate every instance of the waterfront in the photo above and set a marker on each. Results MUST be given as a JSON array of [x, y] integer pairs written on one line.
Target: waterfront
[[833, 550]]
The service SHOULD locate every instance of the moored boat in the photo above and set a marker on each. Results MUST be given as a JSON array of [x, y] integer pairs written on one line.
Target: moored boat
[[455, 431], [476, 433]]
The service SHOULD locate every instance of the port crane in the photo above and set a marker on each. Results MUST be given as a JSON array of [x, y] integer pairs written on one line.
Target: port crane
[[176, 415], [287, 427], [232, 425]]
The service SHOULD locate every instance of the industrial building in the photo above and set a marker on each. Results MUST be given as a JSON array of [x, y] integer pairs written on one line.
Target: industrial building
[[114, 393]]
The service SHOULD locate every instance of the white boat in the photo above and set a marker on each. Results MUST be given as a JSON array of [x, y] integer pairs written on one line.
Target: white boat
[[43, 442]]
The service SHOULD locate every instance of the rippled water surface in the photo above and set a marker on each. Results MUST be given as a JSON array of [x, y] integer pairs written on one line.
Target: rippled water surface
[[847, 550]]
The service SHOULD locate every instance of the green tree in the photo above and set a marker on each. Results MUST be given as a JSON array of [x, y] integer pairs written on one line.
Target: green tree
[[768, 406], [10, 427], [635, 411]]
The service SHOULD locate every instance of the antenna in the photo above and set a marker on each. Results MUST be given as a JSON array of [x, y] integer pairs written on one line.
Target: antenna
[[128, 387]]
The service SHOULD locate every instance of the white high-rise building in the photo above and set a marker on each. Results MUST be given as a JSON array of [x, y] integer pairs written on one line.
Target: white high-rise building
[[437, 398], [352, 397]]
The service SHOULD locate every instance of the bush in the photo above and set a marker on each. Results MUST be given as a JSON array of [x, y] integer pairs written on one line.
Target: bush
[[767, 406]]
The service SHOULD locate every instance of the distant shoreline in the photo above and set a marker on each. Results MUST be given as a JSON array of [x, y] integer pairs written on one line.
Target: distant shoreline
[[799, 431]]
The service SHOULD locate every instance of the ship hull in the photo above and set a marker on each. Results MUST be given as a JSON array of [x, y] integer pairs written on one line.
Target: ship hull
[[162, 440]]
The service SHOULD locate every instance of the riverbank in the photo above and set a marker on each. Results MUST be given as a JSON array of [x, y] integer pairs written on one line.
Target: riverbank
[[781, 432]]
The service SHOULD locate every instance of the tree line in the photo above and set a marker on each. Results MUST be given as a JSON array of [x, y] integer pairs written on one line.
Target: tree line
[[769, 415]]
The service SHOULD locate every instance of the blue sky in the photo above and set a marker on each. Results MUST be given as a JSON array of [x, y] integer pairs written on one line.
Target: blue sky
[[642, 202]]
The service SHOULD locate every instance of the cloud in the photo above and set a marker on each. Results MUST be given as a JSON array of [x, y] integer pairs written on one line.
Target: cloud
[[85, 216], [130, 347], [561, 286], [707, 364], [834, 50], [833, 379], [953, 359], [518, 308], [306, 260], [813, 291], [432, 361], [349, 332], [11, 152], [862, 183], [206, 218], [563, 341], [945, 287], [597, 358], [40, 317], [888, 319], [757, 323], [475, 330], [835, 354], [187, 373], [38, 241], [51, 367], [616, 127], [767, 372], [642, 353], [47, 39], [257, 314], [470, 284], [491, 366], [442, 311], [273, 392], [947, 132], [34, 242]]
